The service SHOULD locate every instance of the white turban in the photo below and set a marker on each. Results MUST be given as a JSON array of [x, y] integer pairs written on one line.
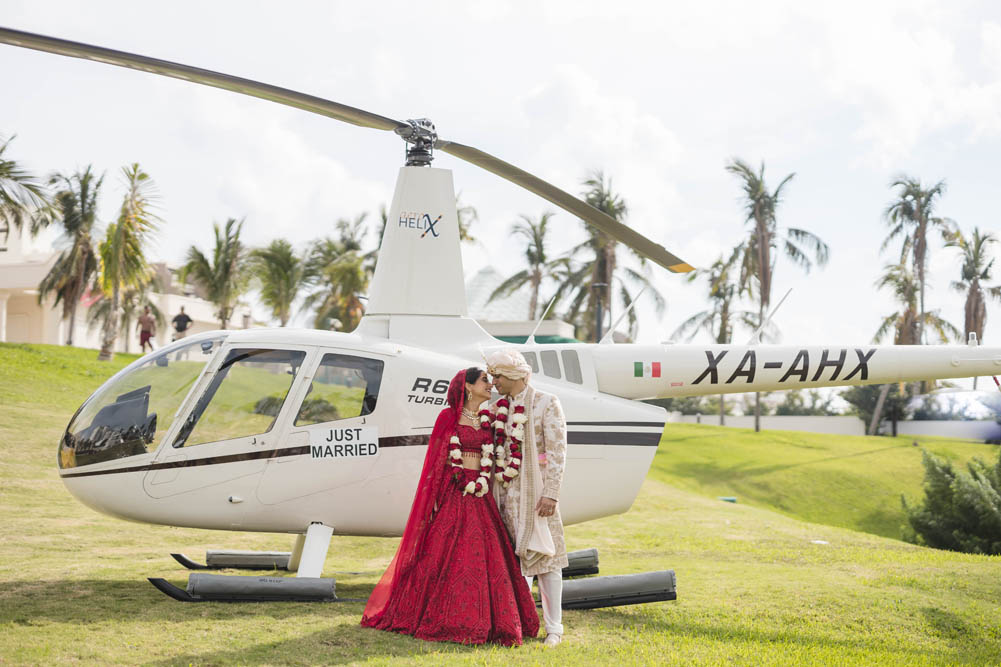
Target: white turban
[[508, 362]]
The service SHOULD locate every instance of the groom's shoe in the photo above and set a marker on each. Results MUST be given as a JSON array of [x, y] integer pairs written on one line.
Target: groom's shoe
[[553, 640]]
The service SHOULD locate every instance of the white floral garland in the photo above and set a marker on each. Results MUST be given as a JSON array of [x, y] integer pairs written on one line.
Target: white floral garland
[[508, 468], [481, 485]]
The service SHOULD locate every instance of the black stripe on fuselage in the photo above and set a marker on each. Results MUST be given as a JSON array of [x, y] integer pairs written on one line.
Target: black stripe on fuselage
[[634, 439], [659, 425]]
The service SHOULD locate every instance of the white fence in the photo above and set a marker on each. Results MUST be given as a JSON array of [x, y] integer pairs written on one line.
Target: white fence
[[848, 425], [978, 430]]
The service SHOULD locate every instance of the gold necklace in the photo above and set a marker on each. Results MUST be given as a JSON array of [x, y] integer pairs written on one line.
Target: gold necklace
[[471, 416]]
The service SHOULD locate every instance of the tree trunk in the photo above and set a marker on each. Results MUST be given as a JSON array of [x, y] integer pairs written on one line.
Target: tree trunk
[[533, 305], [722, 410], [110, 329], [126, 321], [920, 251], [610, 275], [757, 395], [874, 424], [72, 320]]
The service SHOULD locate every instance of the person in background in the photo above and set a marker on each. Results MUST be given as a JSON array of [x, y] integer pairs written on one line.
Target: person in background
[[147, 329], [181, 323]]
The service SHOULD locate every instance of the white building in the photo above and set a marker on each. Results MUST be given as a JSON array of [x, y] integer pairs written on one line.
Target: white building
[[508, 317], [24, 261]]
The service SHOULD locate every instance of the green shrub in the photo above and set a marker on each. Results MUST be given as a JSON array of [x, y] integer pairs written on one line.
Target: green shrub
[[961, 510], [317, 411], [269, 405]]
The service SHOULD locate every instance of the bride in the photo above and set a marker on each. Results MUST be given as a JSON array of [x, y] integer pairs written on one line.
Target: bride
[[455, 576]]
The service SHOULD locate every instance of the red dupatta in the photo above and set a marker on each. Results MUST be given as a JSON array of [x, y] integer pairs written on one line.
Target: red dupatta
[[433, 478]]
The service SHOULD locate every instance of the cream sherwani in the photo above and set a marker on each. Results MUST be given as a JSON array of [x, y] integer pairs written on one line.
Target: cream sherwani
[[550, 430]]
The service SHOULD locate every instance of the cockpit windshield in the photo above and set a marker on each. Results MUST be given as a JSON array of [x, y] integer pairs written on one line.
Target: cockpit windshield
[[133, 410]]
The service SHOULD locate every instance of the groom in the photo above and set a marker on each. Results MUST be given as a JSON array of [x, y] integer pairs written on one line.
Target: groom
[[529, 503]]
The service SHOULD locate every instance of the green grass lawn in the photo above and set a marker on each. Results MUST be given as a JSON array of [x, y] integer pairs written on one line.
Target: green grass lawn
[[840, 480], [755, 586]]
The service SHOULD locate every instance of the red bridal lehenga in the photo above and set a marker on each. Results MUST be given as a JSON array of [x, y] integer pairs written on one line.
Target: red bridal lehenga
[[455, 576]]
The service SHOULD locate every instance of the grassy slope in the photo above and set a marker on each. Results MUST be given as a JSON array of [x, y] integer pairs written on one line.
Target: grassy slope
[[849, 481], [753, 585]]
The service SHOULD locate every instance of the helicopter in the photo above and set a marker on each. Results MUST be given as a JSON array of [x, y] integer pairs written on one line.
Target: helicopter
[[316, 433]]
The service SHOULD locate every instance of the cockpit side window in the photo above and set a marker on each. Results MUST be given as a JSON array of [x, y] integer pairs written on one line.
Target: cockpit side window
[[133, 411], [343, 386], [244, 398]]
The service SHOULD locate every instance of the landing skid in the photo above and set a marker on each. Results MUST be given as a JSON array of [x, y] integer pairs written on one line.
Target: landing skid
[[170, 590], [228, 588], [238, 560], [306, 560], [582, 563], [578, 593], [619, 590], [186, 562]]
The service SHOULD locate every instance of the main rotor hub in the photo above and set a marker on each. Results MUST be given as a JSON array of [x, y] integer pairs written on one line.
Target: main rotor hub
[[420, 137]]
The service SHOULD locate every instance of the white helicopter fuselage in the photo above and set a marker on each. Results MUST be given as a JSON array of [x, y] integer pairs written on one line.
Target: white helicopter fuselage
[[357, 475]]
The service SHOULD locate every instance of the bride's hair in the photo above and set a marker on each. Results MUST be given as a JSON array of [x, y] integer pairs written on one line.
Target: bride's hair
[[473, 374]]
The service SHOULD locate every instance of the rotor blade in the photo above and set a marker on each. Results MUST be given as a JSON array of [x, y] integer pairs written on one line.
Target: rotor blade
[[196, 74], [568, 202]]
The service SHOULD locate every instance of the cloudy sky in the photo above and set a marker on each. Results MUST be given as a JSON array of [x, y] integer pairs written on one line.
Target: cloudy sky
[[660, 96]]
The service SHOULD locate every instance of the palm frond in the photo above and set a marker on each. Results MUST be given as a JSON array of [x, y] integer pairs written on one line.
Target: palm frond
[[510, 285]]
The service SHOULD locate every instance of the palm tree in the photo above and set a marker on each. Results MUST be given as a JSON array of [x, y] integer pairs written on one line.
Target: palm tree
[[540, 266], [372, 256], [383, 221], [466, 215], [976, 270], [123, 258], [592, 282], [906, 324], [75, 268], [911, 214], [758, 262], [340, 273], [280, 274], [224, 277], [22, 197], [351, 233], [719, 319]]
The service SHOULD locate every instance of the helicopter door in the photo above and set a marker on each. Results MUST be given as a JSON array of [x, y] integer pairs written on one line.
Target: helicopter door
[[333, 440], [234, 425]]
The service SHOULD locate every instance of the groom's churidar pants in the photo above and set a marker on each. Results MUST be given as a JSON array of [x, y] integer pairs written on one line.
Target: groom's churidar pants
[[551, 592]]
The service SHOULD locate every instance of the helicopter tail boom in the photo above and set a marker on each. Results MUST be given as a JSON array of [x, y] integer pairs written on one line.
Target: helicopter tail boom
[[664, 371]]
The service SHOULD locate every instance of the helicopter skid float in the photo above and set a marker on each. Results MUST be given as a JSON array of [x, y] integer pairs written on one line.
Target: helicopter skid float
[[316, 433]]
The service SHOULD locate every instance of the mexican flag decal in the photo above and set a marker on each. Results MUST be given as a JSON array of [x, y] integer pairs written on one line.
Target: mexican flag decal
[[646, 369]]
